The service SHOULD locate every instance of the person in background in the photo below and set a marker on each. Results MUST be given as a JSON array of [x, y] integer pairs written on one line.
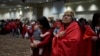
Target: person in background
[[14, 27], [51, 21], [96, 28], [86, 40], [24, 30], [57, 27], [45, 43]]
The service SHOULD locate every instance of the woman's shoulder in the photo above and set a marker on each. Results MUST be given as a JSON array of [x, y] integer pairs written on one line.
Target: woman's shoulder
[[75, 24]]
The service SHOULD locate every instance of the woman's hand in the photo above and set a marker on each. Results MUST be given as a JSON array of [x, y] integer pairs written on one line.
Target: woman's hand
[[32, 44], [95, 38], [35, 43], [60, 34]]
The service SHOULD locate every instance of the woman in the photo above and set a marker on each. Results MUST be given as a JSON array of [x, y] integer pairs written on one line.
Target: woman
[[96, 28], [45, 43], [66, 41], [86, 40], [70, 40]]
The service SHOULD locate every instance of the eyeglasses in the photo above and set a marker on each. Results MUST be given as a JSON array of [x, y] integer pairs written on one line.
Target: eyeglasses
[[67, 15]]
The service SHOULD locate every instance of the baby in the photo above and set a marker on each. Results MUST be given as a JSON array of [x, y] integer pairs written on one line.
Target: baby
[[38, 35]]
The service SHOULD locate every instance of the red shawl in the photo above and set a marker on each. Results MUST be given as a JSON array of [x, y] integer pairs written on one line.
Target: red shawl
[[86, 42], [68, 44], [73, 43]]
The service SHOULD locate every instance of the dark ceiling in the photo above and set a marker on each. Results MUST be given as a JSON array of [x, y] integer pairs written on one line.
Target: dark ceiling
[[20, 3]]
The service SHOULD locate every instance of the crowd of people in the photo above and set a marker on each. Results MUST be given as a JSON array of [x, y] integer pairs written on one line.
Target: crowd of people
[[65, 37]]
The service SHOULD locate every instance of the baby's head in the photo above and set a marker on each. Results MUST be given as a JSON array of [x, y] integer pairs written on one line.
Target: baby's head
[[36, 27]]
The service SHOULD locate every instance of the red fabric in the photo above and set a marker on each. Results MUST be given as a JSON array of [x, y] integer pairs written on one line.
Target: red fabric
[[13, 25], [88, 32], [57, 23], [68, 44], [7, 28], [86, 42], [45, 44], [10, 25], [30, 32]]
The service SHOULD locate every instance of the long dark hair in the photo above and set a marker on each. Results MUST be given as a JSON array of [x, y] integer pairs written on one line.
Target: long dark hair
[[82, 22], [95, 19], [44, 22]]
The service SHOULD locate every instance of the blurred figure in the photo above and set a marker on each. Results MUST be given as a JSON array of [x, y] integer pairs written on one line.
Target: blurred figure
[[86, 42], [57, 28], [45, 43], [96, 28], [51, 21], [24, 30]]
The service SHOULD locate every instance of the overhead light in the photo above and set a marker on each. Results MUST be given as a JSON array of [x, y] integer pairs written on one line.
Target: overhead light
[[54, 9], [27, 7], [69, 8], [93, 7], [20, 12], [80, 8]]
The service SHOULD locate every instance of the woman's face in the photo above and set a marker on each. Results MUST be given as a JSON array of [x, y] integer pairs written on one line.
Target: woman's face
[[67, 19], [39, 25]]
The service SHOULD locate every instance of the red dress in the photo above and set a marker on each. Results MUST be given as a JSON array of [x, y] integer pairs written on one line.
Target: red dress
[[45, 44]]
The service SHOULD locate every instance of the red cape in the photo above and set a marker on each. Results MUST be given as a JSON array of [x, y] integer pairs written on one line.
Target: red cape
[[69, 43], [73, 43], [86, 42]]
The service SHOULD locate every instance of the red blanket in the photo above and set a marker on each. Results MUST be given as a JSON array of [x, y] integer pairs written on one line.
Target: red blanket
[[72, 43]]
